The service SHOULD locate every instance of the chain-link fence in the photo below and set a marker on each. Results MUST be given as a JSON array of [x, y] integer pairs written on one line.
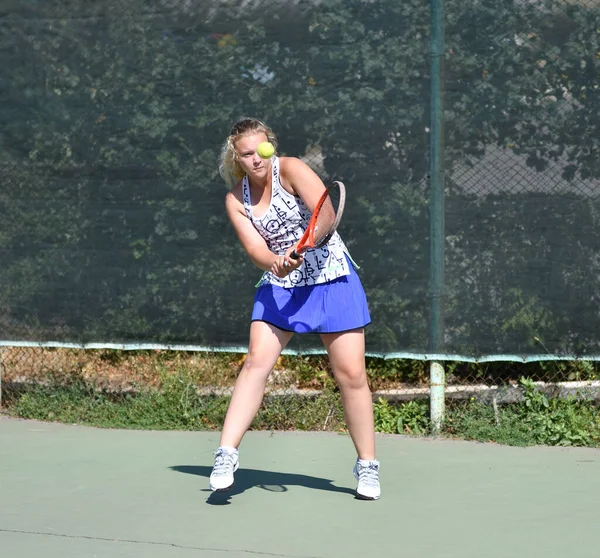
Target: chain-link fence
[[113, 230], [522, 205]]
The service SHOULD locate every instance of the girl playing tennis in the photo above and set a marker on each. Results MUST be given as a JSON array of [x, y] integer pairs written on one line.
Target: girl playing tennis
[[269, 206]]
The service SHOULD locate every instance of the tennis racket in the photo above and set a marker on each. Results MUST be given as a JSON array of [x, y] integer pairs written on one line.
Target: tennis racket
[[324, 220]]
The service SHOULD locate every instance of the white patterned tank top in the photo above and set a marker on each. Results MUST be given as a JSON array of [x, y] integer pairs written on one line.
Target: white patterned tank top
[[282, 225]]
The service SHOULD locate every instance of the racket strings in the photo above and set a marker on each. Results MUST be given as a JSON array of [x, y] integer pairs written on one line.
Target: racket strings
[[325, 220]]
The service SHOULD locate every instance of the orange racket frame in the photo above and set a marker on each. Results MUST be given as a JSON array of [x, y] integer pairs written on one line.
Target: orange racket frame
[[307, 242]]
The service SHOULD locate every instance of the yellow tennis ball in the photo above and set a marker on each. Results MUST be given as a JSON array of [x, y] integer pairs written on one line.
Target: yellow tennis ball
[[265, 150]]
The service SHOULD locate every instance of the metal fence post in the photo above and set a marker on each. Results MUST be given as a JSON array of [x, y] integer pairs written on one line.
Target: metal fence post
[[437, 234]]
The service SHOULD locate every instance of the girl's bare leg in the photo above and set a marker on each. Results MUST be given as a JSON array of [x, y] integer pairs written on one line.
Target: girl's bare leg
[[266, 343], [347, 357]]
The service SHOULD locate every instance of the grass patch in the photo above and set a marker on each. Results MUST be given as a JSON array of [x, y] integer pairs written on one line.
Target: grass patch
[[537, 420], [174, 407], [180, 405], [177, 405], [477, 421], [170, 390]]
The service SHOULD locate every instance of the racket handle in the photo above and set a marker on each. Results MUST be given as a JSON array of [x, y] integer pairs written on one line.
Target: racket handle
[[294, 255]]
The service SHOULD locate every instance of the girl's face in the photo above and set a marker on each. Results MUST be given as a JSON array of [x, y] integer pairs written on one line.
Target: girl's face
[[252, 164]]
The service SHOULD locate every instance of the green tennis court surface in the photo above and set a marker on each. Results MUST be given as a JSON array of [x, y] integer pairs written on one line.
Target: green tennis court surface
[[70, 491]]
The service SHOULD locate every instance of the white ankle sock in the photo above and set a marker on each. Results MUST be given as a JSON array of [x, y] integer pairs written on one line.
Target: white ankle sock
[[229, 449]]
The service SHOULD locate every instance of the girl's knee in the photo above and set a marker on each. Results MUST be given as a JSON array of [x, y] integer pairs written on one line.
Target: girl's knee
[[351, 378], [257, 364]]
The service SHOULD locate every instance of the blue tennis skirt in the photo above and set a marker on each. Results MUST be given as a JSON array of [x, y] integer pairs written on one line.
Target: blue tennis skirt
[[333, 307]]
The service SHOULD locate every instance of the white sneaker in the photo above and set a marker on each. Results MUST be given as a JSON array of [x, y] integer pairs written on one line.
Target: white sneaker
[[367, 475], [226, 463]]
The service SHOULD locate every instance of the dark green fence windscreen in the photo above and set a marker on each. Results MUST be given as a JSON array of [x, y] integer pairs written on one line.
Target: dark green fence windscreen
[[112, 114]]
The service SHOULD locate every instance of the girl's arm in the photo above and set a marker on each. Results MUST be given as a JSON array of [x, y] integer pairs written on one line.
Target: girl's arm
[[253, 243], [304, 182]]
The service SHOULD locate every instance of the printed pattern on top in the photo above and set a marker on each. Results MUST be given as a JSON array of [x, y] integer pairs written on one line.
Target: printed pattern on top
[[282, 225]]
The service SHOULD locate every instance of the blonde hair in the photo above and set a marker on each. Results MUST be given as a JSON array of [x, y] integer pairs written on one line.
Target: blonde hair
[[229, 166]]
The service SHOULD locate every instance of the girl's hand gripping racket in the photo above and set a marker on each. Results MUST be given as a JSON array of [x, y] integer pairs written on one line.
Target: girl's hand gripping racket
[[324, 220]]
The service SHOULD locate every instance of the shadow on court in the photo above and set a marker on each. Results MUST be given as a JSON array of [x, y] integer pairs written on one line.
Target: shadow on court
[[265, 480], [69, 491]]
